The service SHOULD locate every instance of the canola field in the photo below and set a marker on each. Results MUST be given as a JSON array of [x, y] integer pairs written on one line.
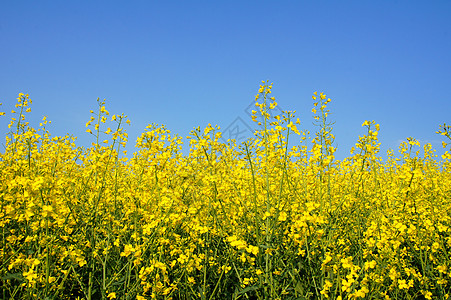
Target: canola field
[[255, 220]]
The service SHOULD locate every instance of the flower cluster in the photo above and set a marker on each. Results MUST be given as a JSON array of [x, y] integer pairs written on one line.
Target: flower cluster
[[258, 220]]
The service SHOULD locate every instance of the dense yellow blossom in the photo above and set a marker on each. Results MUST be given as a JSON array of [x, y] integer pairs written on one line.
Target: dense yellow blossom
[[258, 220]]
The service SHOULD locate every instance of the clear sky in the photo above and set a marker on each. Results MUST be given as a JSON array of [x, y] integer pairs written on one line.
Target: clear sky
[[189, 63]]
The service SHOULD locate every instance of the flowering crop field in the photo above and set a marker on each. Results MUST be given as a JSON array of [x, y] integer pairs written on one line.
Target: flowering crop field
[[256, 220]]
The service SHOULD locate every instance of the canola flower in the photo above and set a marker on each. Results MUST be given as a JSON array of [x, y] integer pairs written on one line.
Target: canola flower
[[258, 220]]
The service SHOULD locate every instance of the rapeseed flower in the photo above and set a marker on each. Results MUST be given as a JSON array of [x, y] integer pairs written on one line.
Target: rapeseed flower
[[256, 219]]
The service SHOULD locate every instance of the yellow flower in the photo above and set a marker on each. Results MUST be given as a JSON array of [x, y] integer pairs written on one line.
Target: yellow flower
[[252, 249], [327, 259], [402, 284], [31, 276], [246, 281], [238, 244], [282, 216], [427, 295], [346, 262], [103, 110], [128, 249], [441, 268], [369, 264]]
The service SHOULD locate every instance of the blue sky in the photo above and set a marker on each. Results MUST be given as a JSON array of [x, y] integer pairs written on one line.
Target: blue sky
[[189, 63]]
